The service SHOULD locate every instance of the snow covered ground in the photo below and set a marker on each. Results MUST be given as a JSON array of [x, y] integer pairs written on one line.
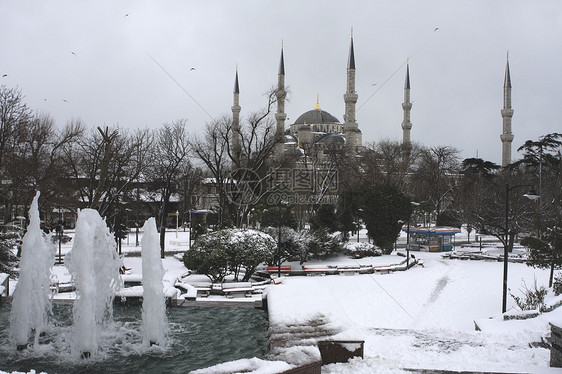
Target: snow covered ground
[[422, 318]]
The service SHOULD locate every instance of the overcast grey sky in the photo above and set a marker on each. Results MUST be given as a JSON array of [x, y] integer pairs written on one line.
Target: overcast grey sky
[[103, 58]]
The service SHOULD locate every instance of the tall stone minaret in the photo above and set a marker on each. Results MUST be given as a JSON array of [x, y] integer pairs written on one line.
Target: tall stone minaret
[[407, 106], [507, 113], [236, 151], [350, 127], [280, 116]]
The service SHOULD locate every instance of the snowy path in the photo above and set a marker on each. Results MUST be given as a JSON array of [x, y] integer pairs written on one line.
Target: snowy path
[[420, 319]]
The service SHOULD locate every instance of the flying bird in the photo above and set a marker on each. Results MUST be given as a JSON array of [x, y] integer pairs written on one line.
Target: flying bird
[[63, 100], [5, 75], [437, 28], [374, 84], [127, 15], [73, 53], [191, 69]]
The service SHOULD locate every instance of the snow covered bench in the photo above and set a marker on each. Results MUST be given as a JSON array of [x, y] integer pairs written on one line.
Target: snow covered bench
[[4, 284], [274, 269], [320, 269], [231, 289], [203, 288], [194, 289], [383, 269], [360, 269]]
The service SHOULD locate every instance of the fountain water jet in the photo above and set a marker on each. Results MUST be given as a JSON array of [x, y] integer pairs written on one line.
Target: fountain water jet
[[154, 320], [94, 265], [31, 301]]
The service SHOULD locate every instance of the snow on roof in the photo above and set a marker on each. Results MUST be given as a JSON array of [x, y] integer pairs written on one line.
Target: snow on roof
[[433, 230]]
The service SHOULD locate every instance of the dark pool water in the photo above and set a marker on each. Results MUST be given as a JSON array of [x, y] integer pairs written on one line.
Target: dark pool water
[[199, 337]]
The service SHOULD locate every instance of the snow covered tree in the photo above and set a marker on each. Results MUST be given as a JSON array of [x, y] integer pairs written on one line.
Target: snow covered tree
[[230, 251], [543, 159], [546, 252], [247, 249], [171, 161], [294, 244], [433, 180], [209, 255], [8, 260], [476, 175], [324, 218], [325, 244], [385, 210]]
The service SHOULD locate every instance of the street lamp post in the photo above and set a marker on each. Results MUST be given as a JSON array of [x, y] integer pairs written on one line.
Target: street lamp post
[[530, 195], [177, 222], [279, 242], [190, 228], [415, 204]]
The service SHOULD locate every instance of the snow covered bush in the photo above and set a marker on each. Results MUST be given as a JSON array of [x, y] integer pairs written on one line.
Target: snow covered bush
[[557, 285], [533, 299], [294, 244], [362, 249], [230, 251], [324, 244], [248, 249], [209, 255]]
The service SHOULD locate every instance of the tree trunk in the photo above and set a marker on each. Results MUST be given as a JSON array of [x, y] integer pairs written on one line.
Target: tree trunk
[[163, 228]]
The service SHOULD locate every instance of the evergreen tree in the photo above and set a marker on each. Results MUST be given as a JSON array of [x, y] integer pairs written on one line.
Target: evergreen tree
[[544, 159], [324, 218], [8, 261], [385, 210], [546, 252]]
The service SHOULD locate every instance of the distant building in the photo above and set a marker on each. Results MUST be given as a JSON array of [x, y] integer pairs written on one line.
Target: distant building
[[432, 239]]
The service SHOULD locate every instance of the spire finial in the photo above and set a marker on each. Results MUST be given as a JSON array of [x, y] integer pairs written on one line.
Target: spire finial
[[317, 102], [351, 61], [282, 62], [236, 86], [407, 83], [507, 79], [352, 31]]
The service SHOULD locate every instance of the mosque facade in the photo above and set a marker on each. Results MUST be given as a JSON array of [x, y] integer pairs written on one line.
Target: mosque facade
[[319, 132]]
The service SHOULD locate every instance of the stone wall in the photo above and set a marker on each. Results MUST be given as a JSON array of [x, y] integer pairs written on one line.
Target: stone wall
[[556, 349]]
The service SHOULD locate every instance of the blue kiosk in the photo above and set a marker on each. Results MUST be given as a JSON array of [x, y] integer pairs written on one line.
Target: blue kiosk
[[432, 239]]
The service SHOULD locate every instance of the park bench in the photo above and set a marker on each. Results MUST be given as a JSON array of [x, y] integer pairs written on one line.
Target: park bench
[[231, 289], [383, 269], [320, 269], [349, 269], [203, 288], [194, 289], [4, 284], [275, 269]]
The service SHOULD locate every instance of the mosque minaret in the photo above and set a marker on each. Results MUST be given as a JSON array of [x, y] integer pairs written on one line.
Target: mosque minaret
[[351, 130], [406, 106], [507, 113], [236, 151], [280, 116]]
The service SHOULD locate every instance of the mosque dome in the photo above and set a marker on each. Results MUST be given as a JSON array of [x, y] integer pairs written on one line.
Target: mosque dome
[[316, 117]]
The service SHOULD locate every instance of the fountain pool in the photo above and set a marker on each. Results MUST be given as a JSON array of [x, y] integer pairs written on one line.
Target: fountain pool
[[198, 337]]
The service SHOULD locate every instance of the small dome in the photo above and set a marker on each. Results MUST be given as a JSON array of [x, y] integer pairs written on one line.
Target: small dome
[[332, 139], [315, 117]]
